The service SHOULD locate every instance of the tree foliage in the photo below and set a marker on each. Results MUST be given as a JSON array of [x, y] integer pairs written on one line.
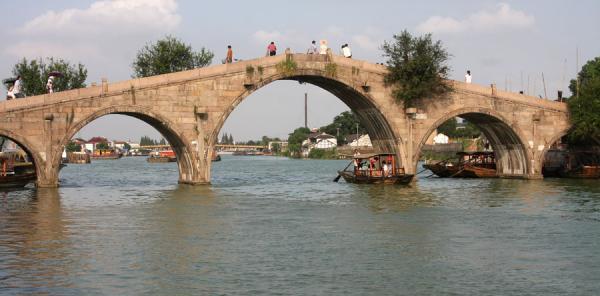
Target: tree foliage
[[417, 67], [295, 139], [346, 122], [584, 105], [34, 75], [452, 129], [169, 55], [147, 141], [102, 145], [73, 147]]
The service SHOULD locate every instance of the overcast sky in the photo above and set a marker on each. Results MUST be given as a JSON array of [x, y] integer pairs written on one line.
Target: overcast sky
[[498, 41]]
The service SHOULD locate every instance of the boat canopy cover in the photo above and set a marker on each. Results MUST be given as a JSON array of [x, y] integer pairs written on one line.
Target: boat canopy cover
[[370, 155]]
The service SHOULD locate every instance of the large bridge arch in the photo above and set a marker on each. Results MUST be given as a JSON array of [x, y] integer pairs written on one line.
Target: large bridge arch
[[513, 159], [32, 151], [181, 145], [371, 114]]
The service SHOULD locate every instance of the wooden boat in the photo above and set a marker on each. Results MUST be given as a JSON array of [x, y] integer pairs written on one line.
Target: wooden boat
[[162, 156], [468, 165], [15, 171], [106, 154], [78, 157], [375, 169], [581, 165]]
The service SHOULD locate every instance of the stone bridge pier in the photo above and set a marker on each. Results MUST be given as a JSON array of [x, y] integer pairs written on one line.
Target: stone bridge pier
[[189, 108]]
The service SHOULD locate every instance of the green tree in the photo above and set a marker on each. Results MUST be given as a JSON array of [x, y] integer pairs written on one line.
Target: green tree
[[102, 145], [295, 139], [230, 140], [346, 122], [73, 147], [448, 128], [224, 138], [147, 141], [34, 75], [417, 67], [584, 105], [169, 55], [162, 142], [127, 147]]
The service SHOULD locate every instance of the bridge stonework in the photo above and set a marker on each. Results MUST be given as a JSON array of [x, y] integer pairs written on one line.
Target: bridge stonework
[[189, 108]]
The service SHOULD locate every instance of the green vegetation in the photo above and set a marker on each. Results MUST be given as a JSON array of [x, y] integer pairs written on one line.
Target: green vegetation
[[451, 129], [322, 154], [34, 75], [295, 141], [417, 67], [102, 145], [287, 67], [226, 139], [73, 147], [331, 69], [169, 55], [584, 105], [346, 122], [147, 141], [249, 71]]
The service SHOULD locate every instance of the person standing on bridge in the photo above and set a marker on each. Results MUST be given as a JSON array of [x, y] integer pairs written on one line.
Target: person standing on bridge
[[50, 84], [346, 51], [272, 49], [229, 58], [313, 48], [468, 76], [17, 88]]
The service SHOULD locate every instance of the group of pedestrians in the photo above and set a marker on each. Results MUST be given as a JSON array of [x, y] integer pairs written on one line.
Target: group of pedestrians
[[15, 91], [313, 49]]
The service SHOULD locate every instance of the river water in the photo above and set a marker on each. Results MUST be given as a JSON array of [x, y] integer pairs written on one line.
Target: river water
[[270, 225]]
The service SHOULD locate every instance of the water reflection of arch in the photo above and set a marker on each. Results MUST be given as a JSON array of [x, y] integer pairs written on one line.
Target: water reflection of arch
[[177, 140], [26, 146], [369, 112], [512, 156]]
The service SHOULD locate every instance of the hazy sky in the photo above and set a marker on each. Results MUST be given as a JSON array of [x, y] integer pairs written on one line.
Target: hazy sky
[[498, 41]]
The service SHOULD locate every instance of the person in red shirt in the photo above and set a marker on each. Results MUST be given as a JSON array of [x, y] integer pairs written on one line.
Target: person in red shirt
[[229, 58], [272, 49]]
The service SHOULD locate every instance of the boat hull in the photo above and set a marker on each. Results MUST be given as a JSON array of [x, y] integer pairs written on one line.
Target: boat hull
[[349, 177], [16, 181], [161, 159]]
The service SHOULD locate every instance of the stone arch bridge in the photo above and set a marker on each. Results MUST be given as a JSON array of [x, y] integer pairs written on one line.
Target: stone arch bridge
[[190, 107]]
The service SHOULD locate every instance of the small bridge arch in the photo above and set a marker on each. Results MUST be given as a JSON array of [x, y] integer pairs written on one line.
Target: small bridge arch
[[181, 146]]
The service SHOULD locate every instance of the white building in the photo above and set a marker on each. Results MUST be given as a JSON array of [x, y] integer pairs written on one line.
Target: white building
[[357, 140], [440, 139]]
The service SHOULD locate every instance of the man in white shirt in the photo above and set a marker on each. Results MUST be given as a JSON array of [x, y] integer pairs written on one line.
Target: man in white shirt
[[346, 51], [17, 88], [313, 48], [468, 77]]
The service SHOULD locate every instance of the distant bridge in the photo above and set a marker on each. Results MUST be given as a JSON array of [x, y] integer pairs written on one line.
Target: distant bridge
[[189, 109], [224, 146]]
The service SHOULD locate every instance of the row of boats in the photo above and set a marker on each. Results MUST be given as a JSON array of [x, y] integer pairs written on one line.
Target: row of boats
[[382, 169]]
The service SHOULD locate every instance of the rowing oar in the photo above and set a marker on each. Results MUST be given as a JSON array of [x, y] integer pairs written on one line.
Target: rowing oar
[[339, 175]]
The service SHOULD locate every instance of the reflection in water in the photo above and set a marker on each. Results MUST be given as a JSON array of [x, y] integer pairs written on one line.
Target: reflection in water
[[34, 239], [270, 224]]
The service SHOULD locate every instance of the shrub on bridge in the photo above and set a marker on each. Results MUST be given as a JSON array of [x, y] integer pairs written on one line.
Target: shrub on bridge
[[417, 67]]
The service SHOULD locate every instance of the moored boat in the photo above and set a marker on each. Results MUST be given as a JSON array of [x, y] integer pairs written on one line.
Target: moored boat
[[15, 170], [468, 165], [373, 168], [162, 156], [106, 154]]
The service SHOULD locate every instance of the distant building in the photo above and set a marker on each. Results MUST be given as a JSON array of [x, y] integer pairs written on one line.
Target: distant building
[[358, 140], [119, 144], [91, 143], [440, 139], [319, 141]]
